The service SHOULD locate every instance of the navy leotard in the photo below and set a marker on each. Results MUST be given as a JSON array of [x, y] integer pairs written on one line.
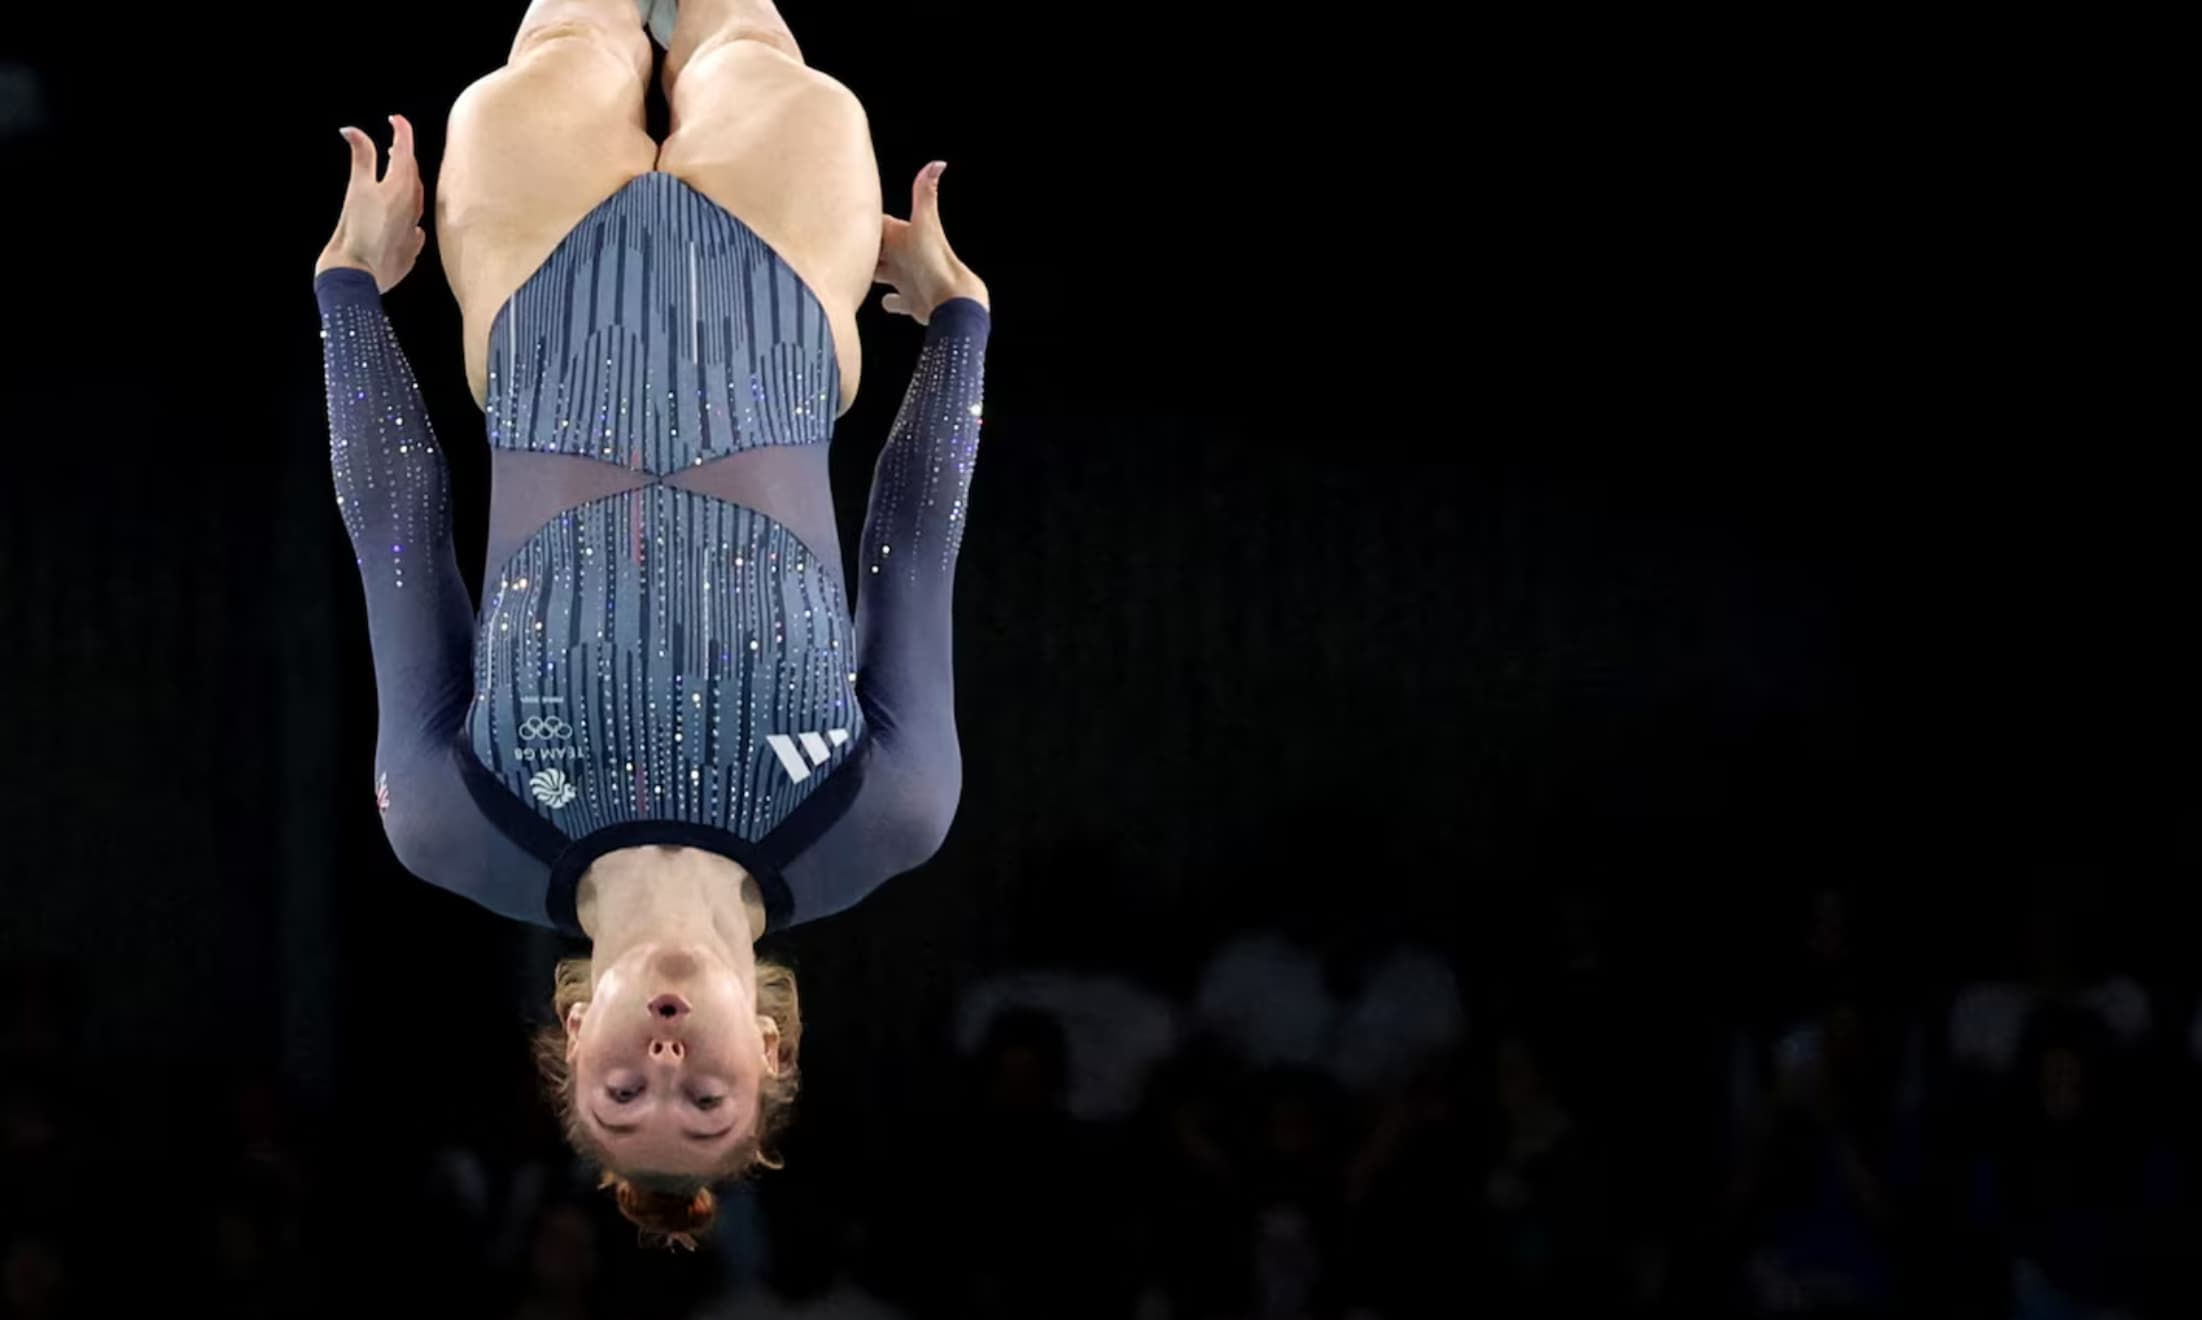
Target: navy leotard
[[665, 651]]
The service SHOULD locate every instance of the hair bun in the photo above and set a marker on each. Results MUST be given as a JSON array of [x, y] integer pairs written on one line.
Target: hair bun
[[672, 1218]]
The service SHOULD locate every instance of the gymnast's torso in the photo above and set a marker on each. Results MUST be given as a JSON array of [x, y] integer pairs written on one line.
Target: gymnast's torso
[[664, 631], [665, 649]]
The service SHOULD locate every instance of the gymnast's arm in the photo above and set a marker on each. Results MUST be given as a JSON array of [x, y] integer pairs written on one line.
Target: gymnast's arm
[[394, 494], [905, 580]]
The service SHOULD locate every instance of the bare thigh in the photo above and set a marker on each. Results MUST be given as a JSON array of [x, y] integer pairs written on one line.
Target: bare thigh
[[531, 149], [788, 151]]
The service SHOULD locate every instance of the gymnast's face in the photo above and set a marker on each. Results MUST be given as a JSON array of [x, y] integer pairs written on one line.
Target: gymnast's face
[[669, 1057]]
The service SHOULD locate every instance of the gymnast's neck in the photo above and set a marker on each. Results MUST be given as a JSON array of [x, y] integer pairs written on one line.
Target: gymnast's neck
[[658, 894]]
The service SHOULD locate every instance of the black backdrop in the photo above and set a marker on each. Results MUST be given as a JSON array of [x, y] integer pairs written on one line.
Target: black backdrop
[[1417, 471]]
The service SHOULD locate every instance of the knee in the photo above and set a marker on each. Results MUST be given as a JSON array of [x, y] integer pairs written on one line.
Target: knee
[[623, 43], [767, 36], [575, 60], [756, 71], [726, 49]]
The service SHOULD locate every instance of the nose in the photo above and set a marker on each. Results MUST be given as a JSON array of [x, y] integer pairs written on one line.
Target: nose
[[667, 1051], [668, 1008]]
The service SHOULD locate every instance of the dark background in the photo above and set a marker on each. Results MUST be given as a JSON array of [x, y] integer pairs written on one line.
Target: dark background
[[1576, 503]]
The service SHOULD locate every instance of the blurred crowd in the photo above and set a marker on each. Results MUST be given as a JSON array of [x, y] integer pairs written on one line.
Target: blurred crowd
[[1295, 1133]]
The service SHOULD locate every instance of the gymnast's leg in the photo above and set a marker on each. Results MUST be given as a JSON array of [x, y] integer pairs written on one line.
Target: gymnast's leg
[[534, 147], [784, 148]]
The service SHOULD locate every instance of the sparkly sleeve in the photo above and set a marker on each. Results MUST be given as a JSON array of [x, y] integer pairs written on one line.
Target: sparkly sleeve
[[395, 498], [905, 580]]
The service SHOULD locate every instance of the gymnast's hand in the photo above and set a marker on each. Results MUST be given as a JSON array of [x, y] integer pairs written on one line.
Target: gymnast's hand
[[914, 256], [380, 231]]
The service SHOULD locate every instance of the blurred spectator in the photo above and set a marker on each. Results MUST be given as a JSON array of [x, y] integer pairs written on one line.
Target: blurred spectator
[[1195, 1208], [244, 1274], [842, 1301], [1408, 1012], [1114, 1032], [1832, 958], [486, 1188], [740, 1241], [1032, 1221], [814, 1276], [1409, 1188], [1607, 1022], [2068, 1193], [1288, 1262], [35, 1279], [1812, 1194], [1546, 1199], [34, 1151], [268, 1159], [257, 1194], [1831, 941], [1295, 1172], [1266, 997], [1271, 1000], [45, 1167], [1989, 1017], [36, 1059], [561, 1282]]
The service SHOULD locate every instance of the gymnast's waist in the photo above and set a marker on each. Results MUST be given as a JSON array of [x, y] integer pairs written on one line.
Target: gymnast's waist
[[663, 425], [740, 497], [657, 389]]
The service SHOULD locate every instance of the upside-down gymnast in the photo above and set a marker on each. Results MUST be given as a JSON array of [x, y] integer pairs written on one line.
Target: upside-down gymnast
[[664, 729]]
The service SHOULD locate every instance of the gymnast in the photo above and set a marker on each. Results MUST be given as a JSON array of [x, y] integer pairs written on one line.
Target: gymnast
[[664, 729]]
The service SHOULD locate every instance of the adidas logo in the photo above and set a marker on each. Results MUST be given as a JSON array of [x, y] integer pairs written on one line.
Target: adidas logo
[[811, 744]]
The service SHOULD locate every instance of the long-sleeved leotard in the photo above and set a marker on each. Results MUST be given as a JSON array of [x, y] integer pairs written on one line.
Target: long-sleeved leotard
[[664, 652]]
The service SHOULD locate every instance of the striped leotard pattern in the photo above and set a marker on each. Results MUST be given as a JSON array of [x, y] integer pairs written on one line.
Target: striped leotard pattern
[[648, 648], [642, 652], [660, 334]]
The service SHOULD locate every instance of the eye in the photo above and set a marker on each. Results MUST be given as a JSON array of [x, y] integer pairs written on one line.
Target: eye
[[623, 1094], [709, 1102]]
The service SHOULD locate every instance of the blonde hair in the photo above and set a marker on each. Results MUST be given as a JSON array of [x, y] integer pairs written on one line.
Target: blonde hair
[[670, 1211]]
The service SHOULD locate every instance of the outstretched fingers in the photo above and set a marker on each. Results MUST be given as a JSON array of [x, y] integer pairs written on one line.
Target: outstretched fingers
[[363, 155], [405, 170]]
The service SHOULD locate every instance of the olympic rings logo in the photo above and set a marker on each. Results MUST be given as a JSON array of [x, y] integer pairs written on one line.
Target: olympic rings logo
[[545, 726]]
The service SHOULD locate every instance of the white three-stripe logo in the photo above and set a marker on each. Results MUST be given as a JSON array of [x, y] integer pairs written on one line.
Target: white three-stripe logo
[[812, 745]]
